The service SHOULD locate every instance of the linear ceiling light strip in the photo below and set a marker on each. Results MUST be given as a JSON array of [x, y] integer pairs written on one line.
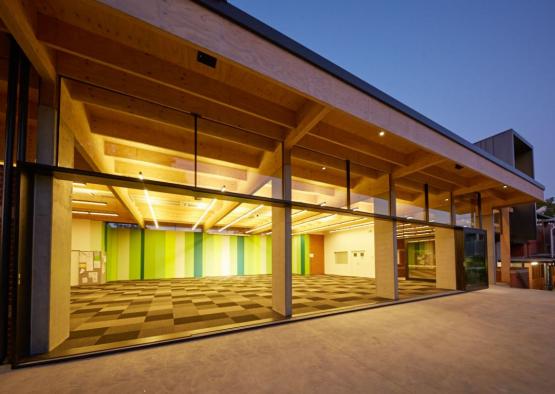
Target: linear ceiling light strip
[[208, 208], [147, 198], [324, 218], [256, 209], [334, 225], [270, 223]]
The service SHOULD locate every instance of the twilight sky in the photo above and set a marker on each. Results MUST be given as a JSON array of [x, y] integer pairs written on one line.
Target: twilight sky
[[476, 67]]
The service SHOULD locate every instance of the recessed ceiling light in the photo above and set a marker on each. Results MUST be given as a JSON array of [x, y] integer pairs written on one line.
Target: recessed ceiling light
[[323, 168], [446, 199], [505, 186], [381, 133]]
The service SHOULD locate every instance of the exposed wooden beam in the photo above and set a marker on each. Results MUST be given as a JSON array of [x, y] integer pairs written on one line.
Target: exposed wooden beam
[[359, 144], [171, 139], [167, 174], [446, 176], [177, 162], [307, 118], [17, 20], [98, 74], [436, 185], [420, 160], [68, 38], [313, 142], [477, 186], [269, 165], [91, 148], [519, 199], [150, 111]]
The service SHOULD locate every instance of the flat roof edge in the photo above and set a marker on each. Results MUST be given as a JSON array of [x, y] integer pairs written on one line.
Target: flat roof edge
[[241, 18]]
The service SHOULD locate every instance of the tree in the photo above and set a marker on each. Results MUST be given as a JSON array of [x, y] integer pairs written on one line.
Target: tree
[[549, 204]]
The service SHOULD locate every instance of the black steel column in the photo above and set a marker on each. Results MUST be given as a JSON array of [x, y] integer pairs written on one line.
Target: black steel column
[[426, 203], [21, 227], [348, 171], [7, 196], [195, 116], [479, 204], [23, 108]]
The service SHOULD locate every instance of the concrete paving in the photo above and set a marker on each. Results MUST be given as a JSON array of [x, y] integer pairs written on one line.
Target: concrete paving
[[499, 340]]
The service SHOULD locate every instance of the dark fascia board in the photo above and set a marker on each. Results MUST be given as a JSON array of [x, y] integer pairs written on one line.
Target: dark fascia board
[[248, 22]]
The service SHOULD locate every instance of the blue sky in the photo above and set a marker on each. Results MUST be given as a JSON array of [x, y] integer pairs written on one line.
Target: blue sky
[[475, 67]]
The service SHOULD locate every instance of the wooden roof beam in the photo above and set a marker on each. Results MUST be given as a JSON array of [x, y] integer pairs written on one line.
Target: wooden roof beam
[[446, 176], [307, 118], [477, 186], [167, 174], [91, 148], [82, 69], [359, 144], [270, 164], [17, 20], [419, 161], [175, 162], [71, 39], [319, 144], [169, 138], [139, 108]]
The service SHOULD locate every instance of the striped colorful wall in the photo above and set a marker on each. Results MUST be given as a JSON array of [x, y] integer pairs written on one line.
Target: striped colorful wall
[[300, 255], [134, 254]]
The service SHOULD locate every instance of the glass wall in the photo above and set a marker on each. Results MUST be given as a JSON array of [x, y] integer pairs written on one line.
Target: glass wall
[[467, 211], [318, 179], [369, 190], [440, 206], [410, 199], [416, 251], [123, 135], [333, 261], [475, 260], [235, 160]]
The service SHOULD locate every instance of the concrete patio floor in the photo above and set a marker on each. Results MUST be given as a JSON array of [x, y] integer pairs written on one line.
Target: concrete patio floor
[[495, 340]]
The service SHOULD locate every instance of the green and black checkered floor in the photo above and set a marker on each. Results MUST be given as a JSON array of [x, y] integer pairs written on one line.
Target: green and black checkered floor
[[133, 312]]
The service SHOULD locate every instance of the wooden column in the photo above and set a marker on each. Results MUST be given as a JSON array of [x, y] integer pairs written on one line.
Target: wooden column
[[282, 286], [385, 243], [51, 256], [505, 246], [446, 266], [488, 223]]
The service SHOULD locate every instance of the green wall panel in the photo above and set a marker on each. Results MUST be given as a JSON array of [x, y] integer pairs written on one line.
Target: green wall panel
[[189, 255], [135, 254], [240, 255], [157, 254], [198, 241]]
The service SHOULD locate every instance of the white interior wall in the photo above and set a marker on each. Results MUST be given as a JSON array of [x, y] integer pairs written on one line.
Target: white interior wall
[[356, 240]]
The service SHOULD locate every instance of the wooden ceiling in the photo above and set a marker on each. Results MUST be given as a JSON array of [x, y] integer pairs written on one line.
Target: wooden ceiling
[[127, 95]]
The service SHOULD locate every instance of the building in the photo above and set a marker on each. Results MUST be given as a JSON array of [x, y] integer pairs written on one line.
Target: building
[[183, 169]]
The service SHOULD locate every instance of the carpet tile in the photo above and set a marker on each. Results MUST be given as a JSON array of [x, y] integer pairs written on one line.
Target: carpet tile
[[132, 312]]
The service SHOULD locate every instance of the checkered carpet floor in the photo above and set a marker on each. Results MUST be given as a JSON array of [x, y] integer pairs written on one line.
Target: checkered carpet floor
[[133, 312]]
